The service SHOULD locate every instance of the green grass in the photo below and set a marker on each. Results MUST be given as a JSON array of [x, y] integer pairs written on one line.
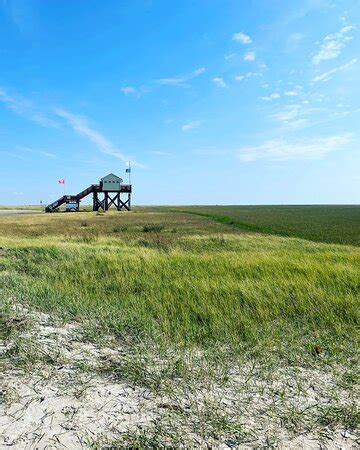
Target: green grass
[[205, 284], [319, 223], [21, 207]]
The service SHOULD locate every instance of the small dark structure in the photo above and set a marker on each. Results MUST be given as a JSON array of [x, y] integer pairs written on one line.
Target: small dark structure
[[105, 194]]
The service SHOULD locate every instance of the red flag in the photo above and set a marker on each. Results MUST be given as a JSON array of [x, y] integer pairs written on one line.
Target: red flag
[[62, 181]]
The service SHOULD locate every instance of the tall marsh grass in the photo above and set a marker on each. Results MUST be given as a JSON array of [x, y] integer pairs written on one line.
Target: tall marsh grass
[[232, 290]]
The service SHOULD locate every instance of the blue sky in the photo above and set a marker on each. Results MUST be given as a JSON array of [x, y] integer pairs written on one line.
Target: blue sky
[[213, 101]]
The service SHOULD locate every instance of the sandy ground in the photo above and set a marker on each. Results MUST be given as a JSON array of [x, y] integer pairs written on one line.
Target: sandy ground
[[59, 406], [66, 402]]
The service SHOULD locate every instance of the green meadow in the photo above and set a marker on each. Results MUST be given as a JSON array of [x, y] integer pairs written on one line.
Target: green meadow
[[194, 278], [337, 224]]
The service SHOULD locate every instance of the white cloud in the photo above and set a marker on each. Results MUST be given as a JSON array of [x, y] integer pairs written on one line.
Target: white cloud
[[219, 82], [283, 150], [248, 75], [249, 56], [48, 155], [173, 82], [81, 127], [296, 37], [327, 75], [270, 97], [294, 115], [291, 93], [198, 72], [181, 81], [25, 108], [332, 45], [191, 125], [242, 37], [160, 153], [15, 155], [128, 90], [36, 152]]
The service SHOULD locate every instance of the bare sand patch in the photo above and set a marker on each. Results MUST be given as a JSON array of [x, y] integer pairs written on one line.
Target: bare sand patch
[[67, 400]]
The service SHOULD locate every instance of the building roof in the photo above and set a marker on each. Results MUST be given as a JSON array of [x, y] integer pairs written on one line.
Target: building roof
[[112, 175]]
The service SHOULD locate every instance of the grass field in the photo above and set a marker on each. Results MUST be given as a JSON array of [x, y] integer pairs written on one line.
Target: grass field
[[228, 285], [319, 223], [20, 207]]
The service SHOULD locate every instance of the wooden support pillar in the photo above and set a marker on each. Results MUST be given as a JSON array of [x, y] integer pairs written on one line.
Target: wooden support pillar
[[95, 201], [114, 201], [97, 204], [111, 198]]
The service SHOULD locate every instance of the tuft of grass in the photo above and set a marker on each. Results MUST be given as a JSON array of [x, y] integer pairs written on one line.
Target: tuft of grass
[[156, 241], [120, 229], [347, 416], [153, 228]]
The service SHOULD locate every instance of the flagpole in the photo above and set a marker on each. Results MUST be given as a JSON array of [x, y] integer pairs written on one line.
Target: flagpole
[[129, 174]]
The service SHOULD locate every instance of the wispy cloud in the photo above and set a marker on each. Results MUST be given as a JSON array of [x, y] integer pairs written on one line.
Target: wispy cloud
[[294, 115], [191, 125], [332, 45], [173, 82], [128, 90], [250, 56], [80, 125], [28, 154], [229, 56], [291, 93], [327, 75], [15, 155], [219, 82], [25, 108], [270, 97], [24, 15], [46, 154], [248, 75], [198, 72], [160, 153], [282, 149], [181, 81], [296, 37], [242, 37]]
